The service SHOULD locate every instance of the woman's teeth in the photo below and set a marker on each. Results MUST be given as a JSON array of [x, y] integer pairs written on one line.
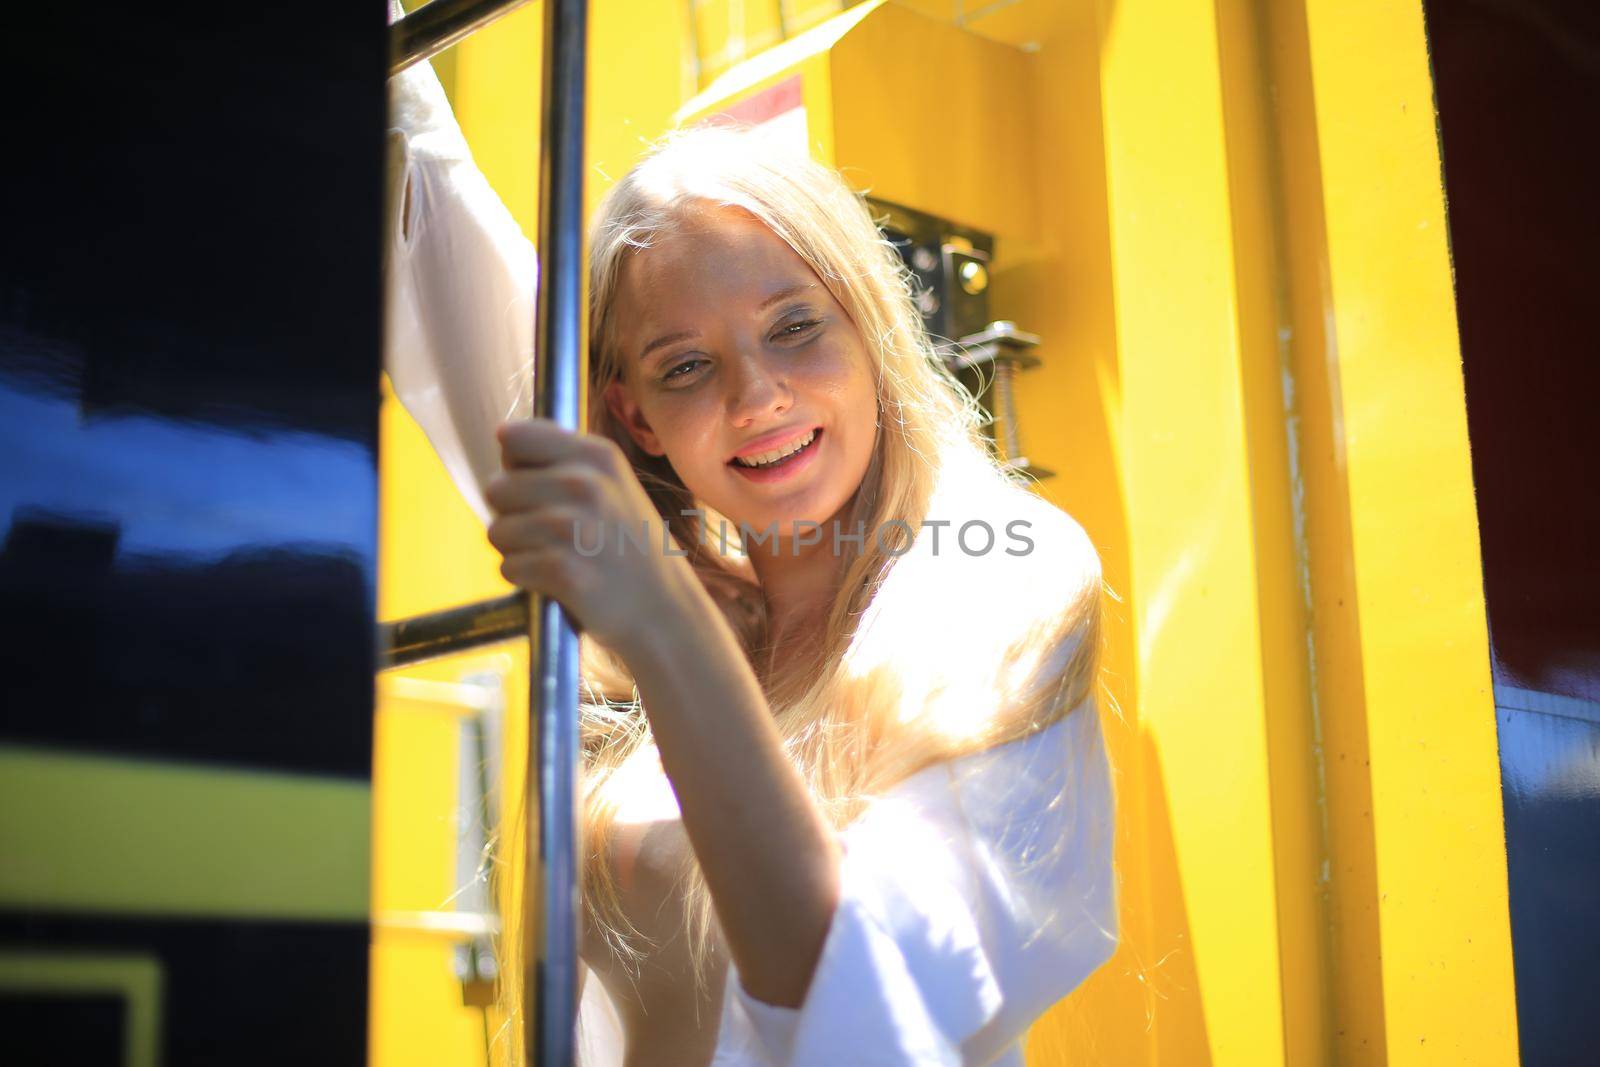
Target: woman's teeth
[[767, 459]]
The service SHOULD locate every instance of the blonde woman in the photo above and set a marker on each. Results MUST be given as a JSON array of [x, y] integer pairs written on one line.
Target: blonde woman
[[845, 795]]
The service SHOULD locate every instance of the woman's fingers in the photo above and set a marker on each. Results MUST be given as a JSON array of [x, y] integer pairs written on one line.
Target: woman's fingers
[[521, 488], [541, 530], [541, 442], [559, 575], [539, 571], [534, 443]]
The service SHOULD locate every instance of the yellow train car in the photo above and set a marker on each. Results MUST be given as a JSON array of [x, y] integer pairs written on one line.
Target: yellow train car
[[1286, 301], [1226, 225]]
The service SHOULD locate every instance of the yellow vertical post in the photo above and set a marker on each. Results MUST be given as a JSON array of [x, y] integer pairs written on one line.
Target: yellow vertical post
[[1419, 821], [1194, 579], [1271, 423]]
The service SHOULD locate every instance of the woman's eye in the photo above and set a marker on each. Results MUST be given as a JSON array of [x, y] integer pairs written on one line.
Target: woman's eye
[[798, 328], [689, 367], [673, 373]]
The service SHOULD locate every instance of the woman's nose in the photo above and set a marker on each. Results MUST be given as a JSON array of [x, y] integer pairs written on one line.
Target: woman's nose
[[757, 388]]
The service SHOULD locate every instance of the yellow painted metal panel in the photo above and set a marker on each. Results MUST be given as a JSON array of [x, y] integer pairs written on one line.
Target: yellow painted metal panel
[[1353, 984], [642, 69], [1438, 833], [804, 14], [806, 53], [1282, 562], [415, 821], [1194, 577], [424, 1023], [936, 118], [433, 553], [817, 82], [497, 101], [99, 834], [945, 10], [728, 31]]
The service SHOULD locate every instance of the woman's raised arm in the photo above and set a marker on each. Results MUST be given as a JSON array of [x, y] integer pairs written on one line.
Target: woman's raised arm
[[459, 282]]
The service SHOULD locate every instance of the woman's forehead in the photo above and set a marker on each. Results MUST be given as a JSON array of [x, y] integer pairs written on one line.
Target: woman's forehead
[[720, 254], [725, 234]]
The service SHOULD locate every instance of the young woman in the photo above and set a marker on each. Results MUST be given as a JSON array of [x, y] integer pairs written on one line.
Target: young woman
[[846, 799]]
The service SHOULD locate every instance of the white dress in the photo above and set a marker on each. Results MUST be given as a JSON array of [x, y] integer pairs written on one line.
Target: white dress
[[975, 894]]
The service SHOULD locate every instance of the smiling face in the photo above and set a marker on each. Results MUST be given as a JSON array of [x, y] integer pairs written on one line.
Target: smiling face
[[733, 352]]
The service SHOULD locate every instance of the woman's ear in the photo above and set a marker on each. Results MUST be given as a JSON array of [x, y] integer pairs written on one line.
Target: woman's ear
[[623, 408]]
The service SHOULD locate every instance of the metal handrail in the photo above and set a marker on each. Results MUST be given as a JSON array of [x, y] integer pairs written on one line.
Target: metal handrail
[[550, 1006], [436, 26]]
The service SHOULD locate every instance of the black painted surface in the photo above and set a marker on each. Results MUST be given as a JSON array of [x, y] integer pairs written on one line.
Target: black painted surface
[[189, 365], [61, 1030], [190, 307], [233, 993], [1517, 85]]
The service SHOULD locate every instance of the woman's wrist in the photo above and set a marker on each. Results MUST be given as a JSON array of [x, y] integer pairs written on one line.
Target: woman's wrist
[[669, 619]]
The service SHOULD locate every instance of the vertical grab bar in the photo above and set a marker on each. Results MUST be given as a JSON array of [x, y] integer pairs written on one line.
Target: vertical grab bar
[[549, 927]]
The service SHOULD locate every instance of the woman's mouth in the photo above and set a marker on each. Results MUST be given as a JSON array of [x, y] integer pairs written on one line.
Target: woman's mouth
[[779, 463]]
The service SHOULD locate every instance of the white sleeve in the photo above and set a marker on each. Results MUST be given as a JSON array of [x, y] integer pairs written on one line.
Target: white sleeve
[[459, 281], [599, 1033], [973, 897]]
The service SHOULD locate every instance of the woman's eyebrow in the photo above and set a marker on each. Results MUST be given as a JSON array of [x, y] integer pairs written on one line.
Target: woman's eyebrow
[[684, 335], [784, 293], [667, 339]]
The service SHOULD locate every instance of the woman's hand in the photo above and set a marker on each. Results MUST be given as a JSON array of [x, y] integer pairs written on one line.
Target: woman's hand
[[561, 504]]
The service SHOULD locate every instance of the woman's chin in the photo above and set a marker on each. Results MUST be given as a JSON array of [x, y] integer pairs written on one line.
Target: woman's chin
[[782, 526]]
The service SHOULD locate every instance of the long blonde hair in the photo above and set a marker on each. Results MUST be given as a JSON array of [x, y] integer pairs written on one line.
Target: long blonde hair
[[929, 651]]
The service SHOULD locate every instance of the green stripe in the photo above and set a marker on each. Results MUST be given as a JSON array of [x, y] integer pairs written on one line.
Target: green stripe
[[95, 834], [136, 979]]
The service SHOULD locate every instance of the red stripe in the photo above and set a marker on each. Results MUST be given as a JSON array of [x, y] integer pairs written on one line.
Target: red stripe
[[767, 104]]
